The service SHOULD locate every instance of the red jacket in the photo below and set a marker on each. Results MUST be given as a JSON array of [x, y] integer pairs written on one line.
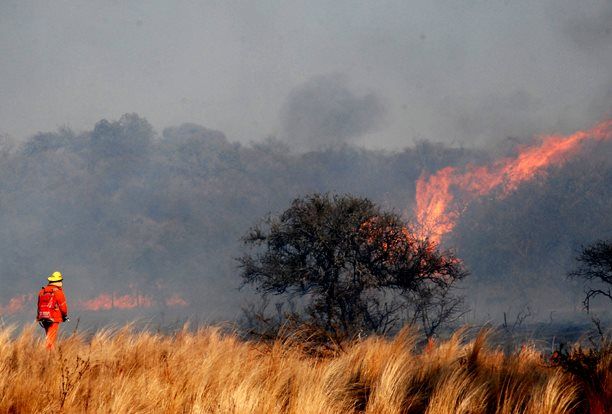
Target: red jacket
[[61, 309]]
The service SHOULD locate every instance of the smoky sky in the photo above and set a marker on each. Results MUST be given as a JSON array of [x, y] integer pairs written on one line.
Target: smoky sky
[[323, 112], [462, 72]]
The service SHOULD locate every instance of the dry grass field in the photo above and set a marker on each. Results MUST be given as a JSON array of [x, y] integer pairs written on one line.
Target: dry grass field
[[208, 371]]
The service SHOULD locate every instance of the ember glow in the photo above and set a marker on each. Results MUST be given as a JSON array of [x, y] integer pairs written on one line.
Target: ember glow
[[176, 301], [106, 301], [17, 304], [440, 198]]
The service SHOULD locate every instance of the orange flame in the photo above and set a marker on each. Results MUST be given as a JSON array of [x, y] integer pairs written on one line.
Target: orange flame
[[437, 210], [398, 243], [16, 304]]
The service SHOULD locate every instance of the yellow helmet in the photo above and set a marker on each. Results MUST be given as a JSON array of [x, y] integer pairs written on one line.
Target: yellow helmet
[[55, 277]]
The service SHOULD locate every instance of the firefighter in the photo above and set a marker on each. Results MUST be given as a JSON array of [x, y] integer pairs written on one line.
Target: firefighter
[[52, 308]]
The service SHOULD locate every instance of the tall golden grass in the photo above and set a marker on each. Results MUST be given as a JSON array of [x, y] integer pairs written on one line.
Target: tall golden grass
[[209, 371]]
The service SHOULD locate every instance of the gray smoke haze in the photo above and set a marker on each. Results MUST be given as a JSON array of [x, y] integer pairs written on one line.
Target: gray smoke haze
[[590, 32], [121, 208], [324, 112], [591, 28], [357, 97], [465, 72]]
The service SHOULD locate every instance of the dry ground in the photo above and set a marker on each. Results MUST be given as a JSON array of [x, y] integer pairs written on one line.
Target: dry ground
[[207, 371]]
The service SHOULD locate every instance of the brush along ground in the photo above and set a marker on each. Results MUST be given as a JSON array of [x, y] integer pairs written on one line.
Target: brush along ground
[[208, 371]]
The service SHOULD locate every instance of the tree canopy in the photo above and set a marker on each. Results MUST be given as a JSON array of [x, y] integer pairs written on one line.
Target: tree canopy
[[355, 266]]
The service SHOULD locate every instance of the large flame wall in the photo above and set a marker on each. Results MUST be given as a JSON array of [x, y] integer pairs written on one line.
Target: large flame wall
[[441, 197]]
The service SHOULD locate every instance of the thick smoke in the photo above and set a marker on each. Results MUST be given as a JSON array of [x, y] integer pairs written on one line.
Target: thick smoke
[[124, 209], [520, 248], [589, 32], [122, 206], [324, 112], [465, 72], [590, 28], [494, 115]]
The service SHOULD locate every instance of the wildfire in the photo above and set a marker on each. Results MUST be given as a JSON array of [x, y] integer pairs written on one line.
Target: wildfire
[[176, 301], [440, 198], [16, 304], [106, 301]]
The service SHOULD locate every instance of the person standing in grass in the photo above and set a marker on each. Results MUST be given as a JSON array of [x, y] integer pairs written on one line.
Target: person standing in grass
[[52, 308]]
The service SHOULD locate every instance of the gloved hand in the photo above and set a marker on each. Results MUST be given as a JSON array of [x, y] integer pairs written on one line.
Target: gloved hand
[[66, 319]]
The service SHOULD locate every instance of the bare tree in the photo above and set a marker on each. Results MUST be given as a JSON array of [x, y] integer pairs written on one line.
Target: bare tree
[[595, 267], [434, 306]]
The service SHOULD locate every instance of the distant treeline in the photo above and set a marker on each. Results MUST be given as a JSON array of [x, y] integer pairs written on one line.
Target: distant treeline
[[123, 207]]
